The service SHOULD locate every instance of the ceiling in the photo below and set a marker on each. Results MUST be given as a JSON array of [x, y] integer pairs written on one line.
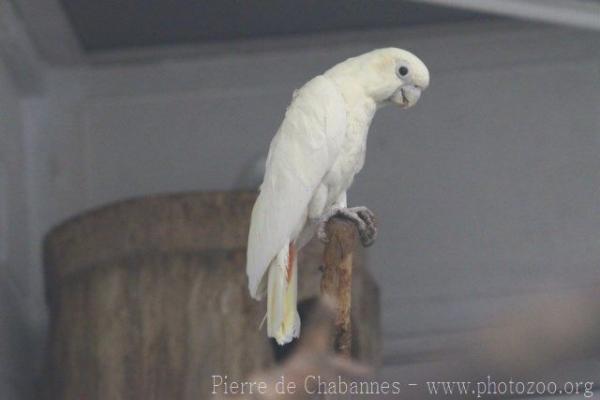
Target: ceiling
[[68, 32], [121, 24]]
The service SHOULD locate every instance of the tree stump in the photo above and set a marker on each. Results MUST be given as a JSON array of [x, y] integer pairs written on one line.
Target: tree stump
[[148, 299]]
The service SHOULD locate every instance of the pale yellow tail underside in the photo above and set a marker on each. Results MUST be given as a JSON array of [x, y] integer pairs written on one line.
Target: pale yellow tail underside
[[283, 321]]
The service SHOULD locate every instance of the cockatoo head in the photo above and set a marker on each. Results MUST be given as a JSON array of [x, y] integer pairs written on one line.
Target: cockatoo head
[[389, 75]]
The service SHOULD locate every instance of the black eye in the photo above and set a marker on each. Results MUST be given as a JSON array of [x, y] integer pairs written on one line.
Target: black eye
[[403, 71]]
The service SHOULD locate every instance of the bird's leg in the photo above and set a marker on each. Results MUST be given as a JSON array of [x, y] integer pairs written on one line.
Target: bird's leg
[[361, 216]]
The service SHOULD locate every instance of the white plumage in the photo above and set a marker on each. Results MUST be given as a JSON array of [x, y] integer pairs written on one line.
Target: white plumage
[[312, 161]]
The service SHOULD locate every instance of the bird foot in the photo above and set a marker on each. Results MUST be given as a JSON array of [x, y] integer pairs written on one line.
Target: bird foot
[[361, 216]]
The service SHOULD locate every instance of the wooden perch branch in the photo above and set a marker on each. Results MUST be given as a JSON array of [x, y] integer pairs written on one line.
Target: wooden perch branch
[[336, 282]]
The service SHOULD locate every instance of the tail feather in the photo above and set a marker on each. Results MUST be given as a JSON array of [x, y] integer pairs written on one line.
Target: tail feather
[[283, 321]]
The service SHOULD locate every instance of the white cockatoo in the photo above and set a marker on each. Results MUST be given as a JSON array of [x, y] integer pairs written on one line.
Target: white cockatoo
[[312, 160]]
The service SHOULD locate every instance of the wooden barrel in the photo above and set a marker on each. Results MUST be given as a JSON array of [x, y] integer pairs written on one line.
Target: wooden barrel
[[148, 299]]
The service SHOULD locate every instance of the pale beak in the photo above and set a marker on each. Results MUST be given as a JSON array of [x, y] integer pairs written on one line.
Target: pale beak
[[406, 96]]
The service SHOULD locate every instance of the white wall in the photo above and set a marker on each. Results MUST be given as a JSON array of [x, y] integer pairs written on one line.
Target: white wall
[[22, 310], [20, 338], [487, 191]]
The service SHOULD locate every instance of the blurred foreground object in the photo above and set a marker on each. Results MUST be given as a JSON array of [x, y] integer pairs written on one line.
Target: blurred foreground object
[[548, 332], [148, 299], [551, 339], [313, 361]]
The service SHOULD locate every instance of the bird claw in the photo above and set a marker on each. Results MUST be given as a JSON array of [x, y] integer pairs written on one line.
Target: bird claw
[[361, 216], [369, 233]]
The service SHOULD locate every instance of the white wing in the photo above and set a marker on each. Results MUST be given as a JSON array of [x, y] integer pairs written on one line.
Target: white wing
[[301, 153]]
